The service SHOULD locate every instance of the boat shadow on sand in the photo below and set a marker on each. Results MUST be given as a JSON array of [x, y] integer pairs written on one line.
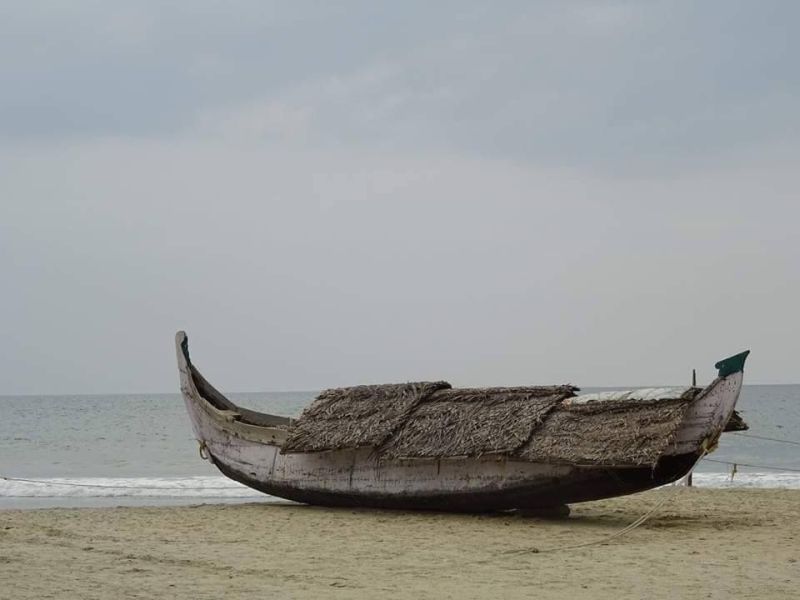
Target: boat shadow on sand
[[600, 515]]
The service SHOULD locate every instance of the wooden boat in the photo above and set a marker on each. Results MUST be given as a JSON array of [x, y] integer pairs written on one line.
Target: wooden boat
[[567, 448]]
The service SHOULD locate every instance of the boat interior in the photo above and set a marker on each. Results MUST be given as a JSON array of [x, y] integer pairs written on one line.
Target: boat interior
[[215, 398]]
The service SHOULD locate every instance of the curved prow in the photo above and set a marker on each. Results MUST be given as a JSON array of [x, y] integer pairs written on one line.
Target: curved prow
[[732, 364], [193, 384], [182, 345], [184, 363]]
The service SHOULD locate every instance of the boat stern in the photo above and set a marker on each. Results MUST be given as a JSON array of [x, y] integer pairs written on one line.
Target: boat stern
[[733, 364], [710, 411]]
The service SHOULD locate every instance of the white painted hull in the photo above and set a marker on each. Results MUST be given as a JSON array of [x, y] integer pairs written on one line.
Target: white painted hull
[[251, 454]]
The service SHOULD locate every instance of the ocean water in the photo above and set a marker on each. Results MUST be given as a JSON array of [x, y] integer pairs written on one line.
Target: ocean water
[[139, 449]]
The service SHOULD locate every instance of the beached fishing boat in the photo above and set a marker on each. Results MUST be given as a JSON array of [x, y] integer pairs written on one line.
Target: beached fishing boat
[[430, 446]]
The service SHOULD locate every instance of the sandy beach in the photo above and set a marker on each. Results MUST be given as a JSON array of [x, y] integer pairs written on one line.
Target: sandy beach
[[700, 544]]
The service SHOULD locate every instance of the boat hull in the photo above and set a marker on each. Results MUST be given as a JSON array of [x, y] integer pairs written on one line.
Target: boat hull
[[358, 478], [580, 485]]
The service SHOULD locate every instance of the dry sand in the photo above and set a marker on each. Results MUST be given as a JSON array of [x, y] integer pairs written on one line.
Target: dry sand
[[702, 544]]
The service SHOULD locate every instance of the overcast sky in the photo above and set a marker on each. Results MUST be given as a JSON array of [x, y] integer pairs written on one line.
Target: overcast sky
[[600, 193]]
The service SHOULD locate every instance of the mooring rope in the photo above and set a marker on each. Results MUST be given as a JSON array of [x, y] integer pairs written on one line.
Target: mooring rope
[[763, 437], [114, 487], [628, 528], [752, 466], [642, 519]]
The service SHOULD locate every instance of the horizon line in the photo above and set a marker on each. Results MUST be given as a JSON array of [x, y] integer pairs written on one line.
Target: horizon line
[[308, 390]]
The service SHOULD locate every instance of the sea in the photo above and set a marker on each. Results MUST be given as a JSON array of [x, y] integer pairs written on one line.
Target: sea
[[138, 449]]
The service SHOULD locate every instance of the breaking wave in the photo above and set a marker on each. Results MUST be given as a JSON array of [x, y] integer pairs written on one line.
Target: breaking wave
[[141, 487], [209, 487]]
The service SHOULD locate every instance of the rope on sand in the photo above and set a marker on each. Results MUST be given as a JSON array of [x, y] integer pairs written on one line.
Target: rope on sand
[[642, 519], [605, 540], [763, 437], [628, 528]]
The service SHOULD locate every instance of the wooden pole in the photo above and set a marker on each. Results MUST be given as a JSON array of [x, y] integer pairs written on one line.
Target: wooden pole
[[694, 384]]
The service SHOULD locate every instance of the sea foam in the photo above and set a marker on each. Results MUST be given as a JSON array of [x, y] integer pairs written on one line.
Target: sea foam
[[141, 487], [209, 487]]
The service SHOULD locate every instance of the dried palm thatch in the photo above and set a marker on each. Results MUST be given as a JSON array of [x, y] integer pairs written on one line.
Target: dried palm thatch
[[431, 420], [615, 433], [736, 423], [473, 422], [354, 417]]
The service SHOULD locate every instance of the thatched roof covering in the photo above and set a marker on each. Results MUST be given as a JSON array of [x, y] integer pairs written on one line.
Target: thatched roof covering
[[612, 432], [537, 424], [354, 417], [473, 422]]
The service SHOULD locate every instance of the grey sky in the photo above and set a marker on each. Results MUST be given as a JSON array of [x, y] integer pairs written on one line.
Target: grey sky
[[595, 193]]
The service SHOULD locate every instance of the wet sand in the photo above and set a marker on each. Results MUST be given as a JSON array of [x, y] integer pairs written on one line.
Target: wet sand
[[701, 544]]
